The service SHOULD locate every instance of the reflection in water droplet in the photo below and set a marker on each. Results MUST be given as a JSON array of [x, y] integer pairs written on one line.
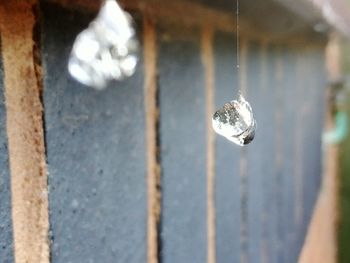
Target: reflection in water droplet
[[235, 121], [106, 50]]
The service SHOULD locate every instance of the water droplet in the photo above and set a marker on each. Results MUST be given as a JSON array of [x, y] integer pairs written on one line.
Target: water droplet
[[235, 121], [106, 50]]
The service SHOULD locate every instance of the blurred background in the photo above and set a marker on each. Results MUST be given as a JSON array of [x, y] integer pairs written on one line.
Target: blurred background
[[344, 186]]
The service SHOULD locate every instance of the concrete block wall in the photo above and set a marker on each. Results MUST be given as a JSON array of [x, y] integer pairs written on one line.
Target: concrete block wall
[[135, 173]]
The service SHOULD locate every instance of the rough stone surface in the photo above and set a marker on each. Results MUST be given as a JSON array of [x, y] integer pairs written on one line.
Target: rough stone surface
[[227, 156], [6, 239], [183, 150], [258, 163], [96, 155], [96, 148]]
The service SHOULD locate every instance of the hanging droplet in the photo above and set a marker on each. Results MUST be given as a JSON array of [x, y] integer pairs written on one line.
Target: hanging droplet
[[235, 121], [106, 50]]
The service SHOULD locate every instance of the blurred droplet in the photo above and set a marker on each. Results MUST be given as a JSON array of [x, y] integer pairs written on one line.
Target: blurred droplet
[[235, 121], [106, 50]]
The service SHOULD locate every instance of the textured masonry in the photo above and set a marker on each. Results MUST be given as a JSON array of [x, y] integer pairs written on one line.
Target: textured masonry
[[135, 173]]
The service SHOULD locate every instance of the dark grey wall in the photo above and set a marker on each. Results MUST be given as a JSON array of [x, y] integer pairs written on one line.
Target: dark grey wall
[[96, 155], [270, 201], [258, 172], [183, 149], [6, 247], [227, 157], [96, 152]]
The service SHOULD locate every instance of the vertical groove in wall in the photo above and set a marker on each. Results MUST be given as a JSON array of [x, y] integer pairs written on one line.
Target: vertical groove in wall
[[264, 243], [299, 198], [25, 133], [279, 89], [279, 105], [38, 61], [152, 116], [208, 61], [243, 86]]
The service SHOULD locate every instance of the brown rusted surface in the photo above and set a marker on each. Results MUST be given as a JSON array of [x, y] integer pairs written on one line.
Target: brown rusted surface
[[191, 13], [321, 244], [153, 168], [198, 15], [25, 133], [208, 62]]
